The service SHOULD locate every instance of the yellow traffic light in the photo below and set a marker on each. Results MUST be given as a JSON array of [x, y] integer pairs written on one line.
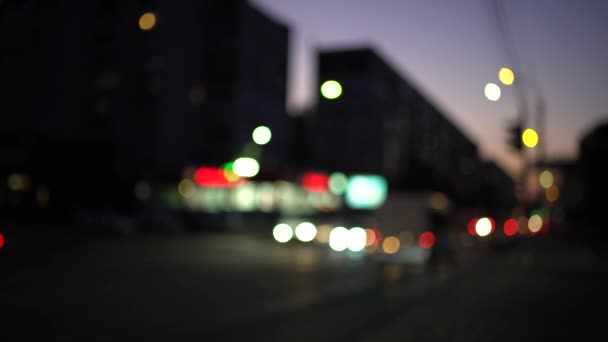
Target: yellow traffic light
[[506, 76], [530, 138]]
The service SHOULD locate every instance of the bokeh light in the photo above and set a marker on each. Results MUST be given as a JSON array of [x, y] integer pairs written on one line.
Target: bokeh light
[[546, 179], [261, 135], [315, 182], [366, 191], [331, 89], [439, 201], [483, 227], [492, 92], [530, 138], [338, 239], [552, 194], [390, 245], [493, 225], [18, 182], [471, 226], [357, 239], [427, 240], [246, 167], [535, 223], [1, 240], [506, 76], [306, 231], [282, 233], [186, 188], [142, 190], [147, 21], [338, 182], [510, 227], [370, 238]]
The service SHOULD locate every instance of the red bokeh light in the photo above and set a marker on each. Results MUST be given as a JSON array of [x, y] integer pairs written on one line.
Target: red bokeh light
[[315, 182], [212, 177], [1, 240], [511, 227], [546, 226], [427, 240], [378, 236], [493, 225], [471, 226]]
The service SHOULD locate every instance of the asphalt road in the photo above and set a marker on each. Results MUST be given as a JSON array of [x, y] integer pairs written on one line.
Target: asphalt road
[[177, 287], [236, 287]]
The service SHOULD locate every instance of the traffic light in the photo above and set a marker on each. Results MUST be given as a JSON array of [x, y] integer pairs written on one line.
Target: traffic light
[[515, 132]]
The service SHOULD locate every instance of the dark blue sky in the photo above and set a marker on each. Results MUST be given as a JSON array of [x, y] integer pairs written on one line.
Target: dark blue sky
[[451, 49]]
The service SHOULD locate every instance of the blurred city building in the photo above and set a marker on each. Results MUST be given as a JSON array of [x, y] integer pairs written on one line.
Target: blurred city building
[[565, 193], [594, 168], [381, 124], [102, 94]]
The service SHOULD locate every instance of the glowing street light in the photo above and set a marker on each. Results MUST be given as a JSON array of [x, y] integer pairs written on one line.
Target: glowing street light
[[261, 135], [492, 92], [147, 21], [331, 90], [506, 76], [530, 138]]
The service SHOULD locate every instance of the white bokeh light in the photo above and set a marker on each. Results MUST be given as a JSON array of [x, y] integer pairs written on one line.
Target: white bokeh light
[[282, 233], [338, 239], [306, 231], [483, 227]]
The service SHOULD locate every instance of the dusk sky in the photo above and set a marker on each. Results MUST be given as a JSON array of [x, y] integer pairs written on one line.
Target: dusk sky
[[451, 49]]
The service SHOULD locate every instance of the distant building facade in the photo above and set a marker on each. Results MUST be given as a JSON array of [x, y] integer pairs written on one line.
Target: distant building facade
[[86, 91], [381, 124]]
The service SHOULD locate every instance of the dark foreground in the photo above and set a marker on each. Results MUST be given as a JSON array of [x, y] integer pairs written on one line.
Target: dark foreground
[[234, 287]]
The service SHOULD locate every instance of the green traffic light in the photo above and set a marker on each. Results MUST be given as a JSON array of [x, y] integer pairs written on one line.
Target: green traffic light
[[331, 90]]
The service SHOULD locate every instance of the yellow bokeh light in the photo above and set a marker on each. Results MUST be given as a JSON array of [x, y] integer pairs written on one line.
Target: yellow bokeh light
[[147, 21], [391, 245], [552, 194], [231, 176], [546, 179], [18, 182], [506, 76], [535, 223], [530, 138], [186, 188]]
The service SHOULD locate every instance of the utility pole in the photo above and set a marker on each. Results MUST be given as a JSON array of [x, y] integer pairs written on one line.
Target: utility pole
[[540, 126]]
